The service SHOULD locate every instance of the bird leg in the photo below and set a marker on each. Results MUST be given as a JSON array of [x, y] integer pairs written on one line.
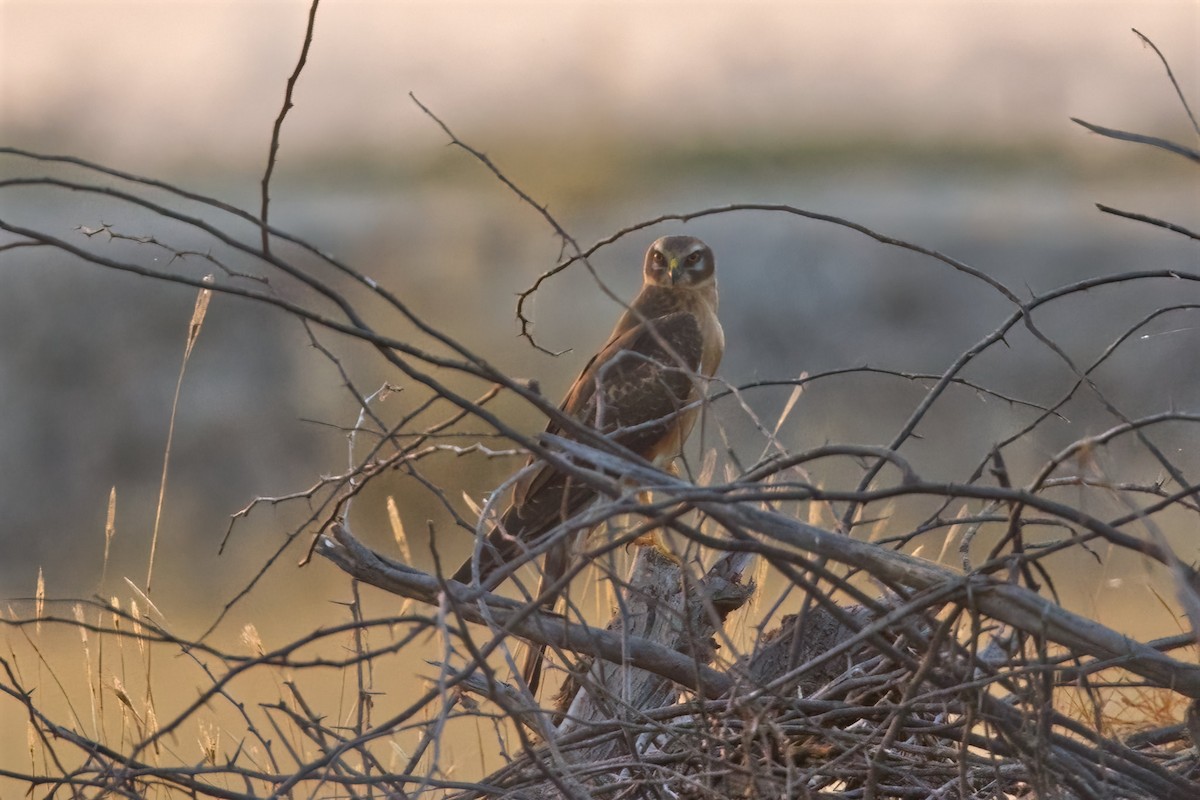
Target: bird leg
[[653, 538]]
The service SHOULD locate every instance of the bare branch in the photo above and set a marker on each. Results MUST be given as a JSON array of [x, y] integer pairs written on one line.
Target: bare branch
[[1138, 138], [273, 149], [1171, 77]]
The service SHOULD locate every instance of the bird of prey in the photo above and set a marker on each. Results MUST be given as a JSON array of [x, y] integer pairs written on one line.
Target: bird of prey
[[663, 346]]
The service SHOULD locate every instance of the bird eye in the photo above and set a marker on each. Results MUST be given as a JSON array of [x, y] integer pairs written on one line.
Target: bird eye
[[694, 258], [659, 258]]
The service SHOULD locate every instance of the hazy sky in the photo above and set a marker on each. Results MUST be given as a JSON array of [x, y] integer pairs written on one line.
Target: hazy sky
[[180, 77]]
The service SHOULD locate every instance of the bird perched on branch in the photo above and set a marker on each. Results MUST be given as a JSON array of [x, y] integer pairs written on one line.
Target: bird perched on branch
[[640, 389]]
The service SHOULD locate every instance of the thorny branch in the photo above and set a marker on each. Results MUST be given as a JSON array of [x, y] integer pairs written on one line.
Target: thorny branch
[[273, 149]]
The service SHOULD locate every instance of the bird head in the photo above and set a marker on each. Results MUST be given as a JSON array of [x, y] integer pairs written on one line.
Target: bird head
[[680, 262]]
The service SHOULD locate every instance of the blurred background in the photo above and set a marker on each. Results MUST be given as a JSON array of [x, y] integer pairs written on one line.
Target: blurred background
[[945, 124]]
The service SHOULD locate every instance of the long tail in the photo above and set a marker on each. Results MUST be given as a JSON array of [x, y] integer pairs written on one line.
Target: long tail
[[496, 551], [557, 562], [522, 526]]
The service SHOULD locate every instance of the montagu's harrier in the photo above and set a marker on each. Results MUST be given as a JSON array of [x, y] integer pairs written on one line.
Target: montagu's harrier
[[653, 365]]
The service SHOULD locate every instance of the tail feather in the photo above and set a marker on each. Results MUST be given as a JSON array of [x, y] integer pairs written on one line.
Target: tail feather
[[557, 563], [524, 525], [535, 656], [499, 549]]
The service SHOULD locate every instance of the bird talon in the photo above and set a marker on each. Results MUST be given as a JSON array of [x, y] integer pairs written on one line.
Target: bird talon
[[653, 539]]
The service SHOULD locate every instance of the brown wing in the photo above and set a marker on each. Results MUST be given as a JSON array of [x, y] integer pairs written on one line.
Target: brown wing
[[643, 375]]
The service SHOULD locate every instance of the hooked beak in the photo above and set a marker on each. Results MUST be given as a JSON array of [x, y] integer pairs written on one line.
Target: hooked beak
[[674, 271]]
